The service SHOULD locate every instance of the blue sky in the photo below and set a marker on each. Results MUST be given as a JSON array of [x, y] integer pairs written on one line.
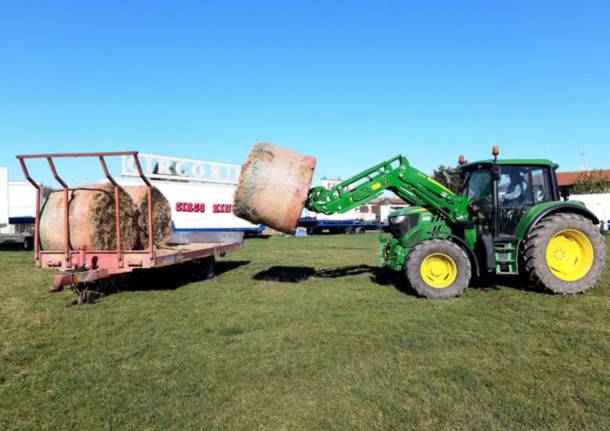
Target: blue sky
[[350, 82]]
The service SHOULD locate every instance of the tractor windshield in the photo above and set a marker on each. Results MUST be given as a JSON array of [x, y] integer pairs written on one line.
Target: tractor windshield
[[477, 188]]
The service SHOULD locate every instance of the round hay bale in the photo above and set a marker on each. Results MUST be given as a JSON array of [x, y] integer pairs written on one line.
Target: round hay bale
[[273, 186], [162, 215], [92, 219]]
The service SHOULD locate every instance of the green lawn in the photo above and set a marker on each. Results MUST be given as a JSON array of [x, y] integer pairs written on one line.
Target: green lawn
[[299, 334]]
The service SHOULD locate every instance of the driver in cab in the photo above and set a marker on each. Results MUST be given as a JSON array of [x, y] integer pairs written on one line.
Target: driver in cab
[[515, 193]]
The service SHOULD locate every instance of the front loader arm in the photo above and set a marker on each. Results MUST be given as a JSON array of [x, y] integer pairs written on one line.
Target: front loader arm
[[397, 175]]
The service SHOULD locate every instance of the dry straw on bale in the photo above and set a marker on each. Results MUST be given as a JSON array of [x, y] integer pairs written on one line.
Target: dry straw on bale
[[162, 215], [92, 219]]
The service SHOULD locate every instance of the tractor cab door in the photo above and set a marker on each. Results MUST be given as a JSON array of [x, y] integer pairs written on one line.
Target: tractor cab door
[[520, 188]]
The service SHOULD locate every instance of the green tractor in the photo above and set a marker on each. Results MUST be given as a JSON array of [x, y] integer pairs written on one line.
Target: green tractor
[[509, 220]]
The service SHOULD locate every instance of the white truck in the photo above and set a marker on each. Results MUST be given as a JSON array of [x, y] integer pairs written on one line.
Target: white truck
[[17, 211], [598, 204]]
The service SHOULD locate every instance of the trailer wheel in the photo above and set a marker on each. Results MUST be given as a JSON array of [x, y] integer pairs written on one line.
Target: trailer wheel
[[565, 253], [207, 267], [438, 269]]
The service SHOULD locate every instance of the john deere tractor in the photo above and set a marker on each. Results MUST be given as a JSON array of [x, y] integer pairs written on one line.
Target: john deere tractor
[[509, 220]]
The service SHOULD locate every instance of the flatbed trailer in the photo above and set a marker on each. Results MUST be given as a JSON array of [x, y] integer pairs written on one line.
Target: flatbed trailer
[[80, 268]]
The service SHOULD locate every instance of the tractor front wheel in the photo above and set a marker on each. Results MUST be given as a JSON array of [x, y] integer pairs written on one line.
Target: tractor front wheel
[[438, 269], [565, 253]]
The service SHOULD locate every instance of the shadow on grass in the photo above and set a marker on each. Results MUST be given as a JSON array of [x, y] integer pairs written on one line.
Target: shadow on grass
[[168, 278], [13, 246], [249, 235], [488, 283], [296, 274], [176, 276], [228, 265], [286, 274]]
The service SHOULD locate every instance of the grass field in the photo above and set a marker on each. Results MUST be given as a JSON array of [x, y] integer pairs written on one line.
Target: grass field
[[299, 334]]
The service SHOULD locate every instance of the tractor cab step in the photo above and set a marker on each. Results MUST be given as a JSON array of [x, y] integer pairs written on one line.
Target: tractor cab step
[[506, 251]]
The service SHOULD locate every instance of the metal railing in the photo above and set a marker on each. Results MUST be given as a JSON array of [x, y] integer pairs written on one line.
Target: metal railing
[[66, 188]]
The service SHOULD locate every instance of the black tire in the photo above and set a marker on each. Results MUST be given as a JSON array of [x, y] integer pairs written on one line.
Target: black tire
[[430, 247], [207, 267], [534, 253], [28, 243]]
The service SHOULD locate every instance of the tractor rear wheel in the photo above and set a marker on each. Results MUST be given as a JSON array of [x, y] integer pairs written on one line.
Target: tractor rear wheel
[[438, 269], [565, 253]]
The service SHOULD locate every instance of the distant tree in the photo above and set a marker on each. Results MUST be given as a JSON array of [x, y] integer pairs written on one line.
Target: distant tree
[[594, 181], [449, 177]]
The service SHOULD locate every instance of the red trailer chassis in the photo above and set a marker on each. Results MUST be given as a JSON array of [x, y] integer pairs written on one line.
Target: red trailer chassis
[[83, 266]]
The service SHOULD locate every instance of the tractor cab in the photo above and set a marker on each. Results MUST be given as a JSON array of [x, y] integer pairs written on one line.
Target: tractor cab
[[503, 191]]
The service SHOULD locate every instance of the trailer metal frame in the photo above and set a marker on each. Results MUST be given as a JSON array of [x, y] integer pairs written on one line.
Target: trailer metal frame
[[85, 266]]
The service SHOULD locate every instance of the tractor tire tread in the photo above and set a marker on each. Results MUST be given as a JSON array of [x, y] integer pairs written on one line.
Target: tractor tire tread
[[420, 251], [534, 253]]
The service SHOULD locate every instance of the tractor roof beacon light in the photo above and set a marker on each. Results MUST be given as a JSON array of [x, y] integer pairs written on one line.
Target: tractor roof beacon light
[[495, 151], [461, 161]]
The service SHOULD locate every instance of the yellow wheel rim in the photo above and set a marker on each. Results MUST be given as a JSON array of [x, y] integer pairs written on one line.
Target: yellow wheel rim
[[569, 255], [438, 270]]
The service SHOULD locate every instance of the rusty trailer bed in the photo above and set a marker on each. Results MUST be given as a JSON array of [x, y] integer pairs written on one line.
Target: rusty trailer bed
[[83, 267]]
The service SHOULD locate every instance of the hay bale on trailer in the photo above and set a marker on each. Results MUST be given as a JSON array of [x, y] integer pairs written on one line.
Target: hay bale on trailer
[[92, 219], [162, 216]]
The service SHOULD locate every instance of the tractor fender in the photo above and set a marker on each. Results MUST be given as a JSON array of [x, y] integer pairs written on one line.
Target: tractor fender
[[559, 208]]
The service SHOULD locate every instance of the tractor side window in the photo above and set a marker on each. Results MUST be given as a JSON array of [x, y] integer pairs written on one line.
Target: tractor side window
[[513, 188], [540, 185]]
